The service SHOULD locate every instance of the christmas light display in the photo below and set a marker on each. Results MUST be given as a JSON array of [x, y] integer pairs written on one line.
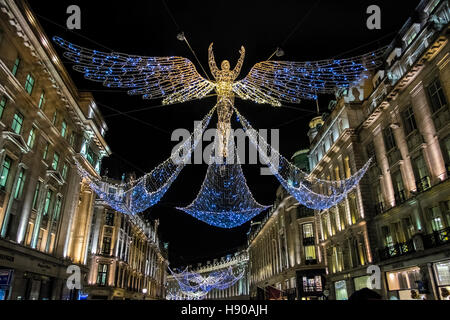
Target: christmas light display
[[312, 192], [137, 195], [224, 199], [274, 82], [194, 285], [181, 295], [175, 79]]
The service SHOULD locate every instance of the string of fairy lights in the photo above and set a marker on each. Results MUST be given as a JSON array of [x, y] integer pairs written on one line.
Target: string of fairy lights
[[310, 191], [195, 286], [224, 199], [137, 195], [274, 82]]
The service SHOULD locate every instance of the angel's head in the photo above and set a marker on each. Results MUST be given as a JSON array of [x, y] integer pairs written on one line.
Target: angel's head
[[225, 65]]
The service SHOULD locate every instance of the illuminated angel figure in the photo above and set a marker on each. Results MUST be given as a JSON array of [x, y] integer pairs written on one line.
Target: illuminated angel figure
[[225, 96], [175, 79]]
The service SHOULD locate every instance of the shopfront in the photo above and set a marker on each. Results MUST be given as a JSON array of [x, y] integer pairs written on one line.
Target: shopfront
[[310, 284], [6, 276], [362, 282], [340, 290], [442, 276], [405, 284]]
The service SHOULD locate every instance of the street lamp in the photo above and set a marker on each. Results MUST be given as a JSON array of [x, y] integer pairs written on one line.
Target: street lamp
[[144, 291]]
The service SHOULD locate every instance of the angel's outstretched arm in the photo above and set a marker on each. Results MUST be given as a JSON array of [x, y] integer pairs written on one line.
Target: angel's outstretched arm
[[212, 61], [237, 68]]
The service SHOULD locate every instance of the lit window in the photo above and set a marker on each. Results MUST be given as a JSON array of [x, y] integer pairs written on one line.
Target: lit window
[[55, 117], [389, 139], [6, 167], [308, 230], [2, 106], [106, 246], [63, 129], [17, 123], [90, 156], [41, 103], [310, 253], [410, 120], [47, 203], [20, 183], [15, 66], [72, 139], [437, 96], [29, 84], [55, 161], [31, 138], [65, 170], [57, 210], [45, 154], [36, 195], [102, 274]]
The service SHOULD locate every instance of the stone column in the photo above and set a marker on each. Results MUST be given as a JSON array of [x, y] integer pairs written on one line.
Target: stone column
[[9, 203], [406, 166], [425, 124], [81, 226]]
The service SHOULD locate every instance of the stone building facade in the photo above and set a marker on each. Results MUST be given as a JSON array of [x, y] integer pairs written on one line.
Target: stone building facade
[[285, 261], [127, 259], [45, 123], [398, 218]]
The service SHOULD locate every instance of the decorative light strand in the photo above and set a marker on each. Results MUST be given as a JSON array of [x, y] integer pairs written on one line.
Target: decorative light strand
[[195, 285], [173, 78], [312, 192], [274, 82], [138, 195], [224, 200]]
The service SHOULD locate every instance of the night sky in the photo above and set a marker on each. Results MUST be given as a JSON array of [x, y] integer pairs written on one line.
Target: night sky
[[306, 30]]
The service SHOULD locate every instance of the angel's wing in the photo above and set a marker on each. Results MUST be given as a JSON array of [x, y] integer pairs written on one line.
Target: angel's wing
[[275, 82], [174, 79]]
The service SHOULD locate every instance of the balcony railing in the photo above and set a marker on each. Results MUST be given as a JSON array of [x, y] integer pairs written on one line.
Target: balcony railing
[[437, 238], [310, 261], [308, 241], [400, 197], [423, 184], [396, 250], [380, 208]]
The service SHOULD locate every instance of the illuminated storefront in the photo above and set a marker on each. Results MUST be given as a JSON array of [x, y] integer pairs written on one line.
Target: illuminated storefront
[[340, 289], [361, 283], [310, 284], [442, 273], [404, 284]]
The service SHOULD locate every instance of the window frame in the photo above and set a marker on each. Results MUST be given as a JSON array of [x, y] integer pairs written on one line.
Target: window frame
[[16, 123], [30, 81]]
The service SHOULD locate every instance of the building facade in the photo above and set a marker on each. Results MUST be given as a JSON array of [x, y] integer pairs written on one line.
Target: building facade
[[284, 257], [127, 259], [238, 262], [45, 124], [398, 218]]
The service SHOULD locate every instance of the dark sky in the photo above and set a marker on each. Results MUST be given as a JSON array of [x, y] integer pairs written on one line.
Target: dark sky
[[306, 30]]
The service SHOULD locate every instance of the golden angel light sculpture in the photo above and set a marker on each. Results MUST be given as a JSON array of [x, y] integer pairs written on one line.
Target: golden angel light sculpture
[[176, 80]]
